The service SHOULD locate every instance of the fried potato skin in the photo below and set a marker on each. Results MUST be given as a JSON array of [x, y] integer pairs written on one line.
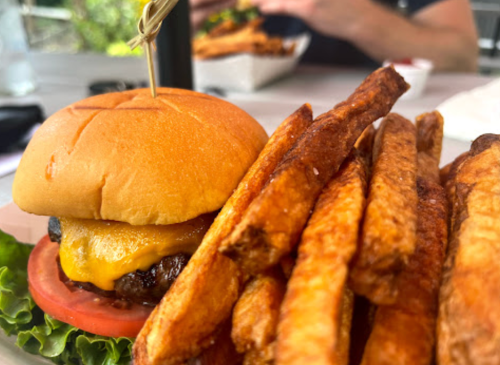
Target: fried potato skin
[[361, 327], [221, 352], [364, 144], [255, 317], [390, 222], [429, 144], [311, 329], [469, 319], [202, 297], [444, 174], [450, 187], [272, 224], [344, 339], [404, 332]]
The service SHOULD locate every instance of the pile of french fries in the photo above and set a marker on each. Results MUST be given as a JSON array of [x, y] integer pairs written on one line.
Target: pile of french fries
[[229, 38], [334, 249]]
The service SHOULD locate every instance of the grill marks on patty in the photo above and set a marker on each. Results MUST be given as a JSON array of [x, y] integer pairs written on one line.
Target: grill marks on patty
[[142, 287], [148, 287]]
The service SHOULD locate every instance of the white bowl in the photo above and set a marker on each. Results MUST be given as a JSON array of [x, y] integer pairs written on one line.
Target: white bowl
[[415, 74], [247, 72]]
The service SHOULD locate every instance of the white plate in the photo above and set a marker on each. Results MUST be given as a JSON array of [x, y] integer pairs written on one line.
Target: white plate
[[10, 354], [27, 228]]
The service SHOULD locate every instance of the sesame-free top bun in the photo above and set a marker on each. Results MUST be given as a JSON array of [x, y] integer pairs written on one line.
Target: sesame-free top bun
[[131, 158]]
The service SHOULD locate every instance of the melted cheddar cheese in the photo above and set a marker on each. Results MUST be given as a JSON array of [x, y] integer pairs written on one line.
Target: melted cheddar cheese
[[100, 252]]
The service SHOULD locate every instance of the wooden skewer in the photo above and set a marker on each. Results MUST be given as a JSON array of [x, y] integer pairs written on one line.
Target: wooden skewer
[[148, 27]]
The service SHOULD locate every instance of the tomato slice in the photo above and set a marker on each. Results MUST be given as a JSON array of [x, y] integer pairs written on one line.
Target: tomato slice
[[80, 308]]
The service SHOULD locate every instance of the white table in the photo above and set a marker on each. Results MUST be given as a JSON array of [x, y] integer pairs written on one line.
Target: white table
[[63, 79]]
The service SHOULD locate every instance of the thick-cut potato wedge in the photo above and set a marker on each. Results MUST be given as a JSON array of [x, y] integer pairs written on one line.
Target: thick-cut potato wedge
[[362, 322], [404, 332], [221, 352], [255, 317], [444, 174], [364, 144], [287, 264], [344, 337], [203, 295], [429, 144], [272, 225], [469, 313], [449, 186], [390, 222], [311, 329]]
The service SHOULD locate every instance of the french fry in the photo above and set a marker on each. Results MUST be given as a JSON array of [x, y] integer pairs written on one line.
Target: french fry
[[390, 222], [255, 317], [449, 186], [203, 295], [315, 319], [221, 352], [274, 221], [429, 144], [444, 174], [287, 264], [469, 319], [364, 144], [344, 339], [404, 332], [362, 322]]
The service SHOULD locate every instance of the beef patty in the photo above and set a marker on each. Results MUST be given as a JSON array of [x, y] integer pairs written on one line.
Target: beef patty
[[143, 287]]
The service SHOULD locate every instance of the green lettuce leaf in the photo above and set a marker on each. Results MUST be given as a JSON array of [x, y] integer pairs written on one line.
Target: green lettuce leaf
[[40, 334]]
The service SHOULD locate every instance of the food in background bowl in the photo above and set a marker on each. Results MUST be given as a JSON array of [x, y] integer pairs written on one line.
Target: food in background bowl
[[230, 37]]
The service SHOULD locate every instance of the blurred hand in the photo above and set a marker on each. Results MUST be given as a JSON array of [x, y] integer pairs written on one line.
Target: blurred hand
[[202, 9], [331, 17]]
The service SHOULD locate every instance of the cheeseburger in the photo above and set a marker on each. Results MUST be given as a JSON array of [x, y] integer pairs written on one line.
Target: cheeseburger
[[132, 184]]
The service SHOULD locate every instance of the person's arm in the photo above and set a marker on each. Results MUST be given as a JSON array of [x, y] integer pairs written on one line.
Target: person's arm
[[443, 32], [202, 9]]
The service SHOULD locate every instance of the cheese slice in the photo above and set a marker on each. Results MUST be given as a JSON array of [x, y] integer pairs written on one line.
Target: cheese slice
[[100, 252]]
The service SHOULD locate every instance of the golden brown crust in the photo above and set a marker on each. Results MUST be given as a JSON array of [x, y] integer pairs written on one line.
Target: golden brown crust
[[131, 158], [203, 295], [255, 316], [344, 337], [255, 358], [450, 187], [361, 326], [390, 222], [364, 144], [221, 352], [429, 144], [314, 307], [444, 174], [272, 224], [469, 320], [404, 332]]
